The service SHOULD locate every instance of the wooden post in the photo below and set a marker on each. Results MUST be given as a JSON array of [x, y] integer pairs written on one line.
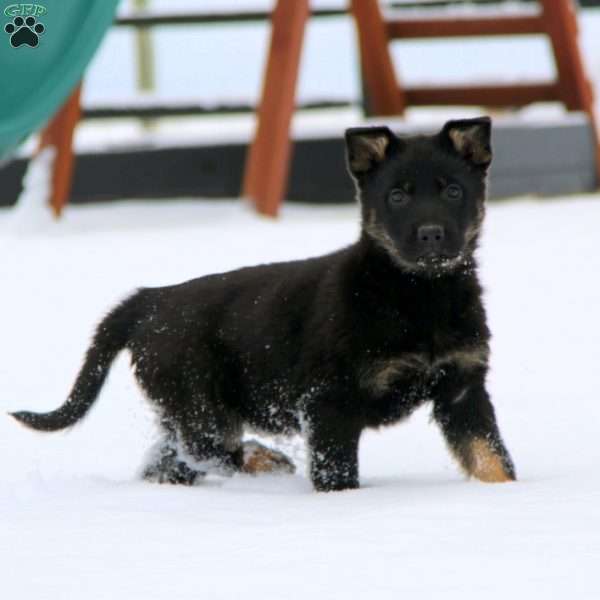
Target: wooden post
[[385, 97], [267, 163], [576, 91], [59, 133]]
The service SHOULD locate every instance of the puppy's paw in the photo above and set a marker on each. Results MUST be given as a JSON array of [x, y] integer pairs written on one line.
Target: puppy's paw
[[488, 464], [171, 471], [260, 459]]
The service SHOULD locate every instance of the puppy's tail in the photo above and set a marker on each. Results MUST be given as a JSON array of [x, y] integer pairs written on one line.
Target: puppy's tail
[[111, 336]]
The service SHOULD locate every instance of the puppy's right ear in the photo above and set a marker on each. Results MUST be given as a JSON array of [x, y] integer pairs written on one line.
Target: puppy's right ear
[[366, 148]]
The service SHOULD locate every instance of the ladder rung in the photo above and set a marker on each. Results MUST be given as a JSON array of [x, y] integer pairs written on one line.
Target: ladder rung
[[483, 95], [461, 27]]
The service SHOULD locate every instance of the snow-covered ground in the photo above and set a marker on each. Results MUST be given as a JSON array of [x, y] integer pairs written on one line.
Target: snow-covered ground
[[75, 522]]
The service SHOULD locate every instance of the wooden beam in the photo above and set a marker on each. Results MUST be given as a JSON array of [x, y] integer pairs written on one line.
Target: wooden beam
[[385, 96], [265, 175], [483, 95], [560, 24], [576, 91], [59, 134], [461, 27]]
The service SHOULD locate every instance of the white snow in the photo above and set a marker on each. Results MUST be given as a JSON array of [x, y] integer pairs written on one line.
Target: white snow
[[31, 211], [75, 522]]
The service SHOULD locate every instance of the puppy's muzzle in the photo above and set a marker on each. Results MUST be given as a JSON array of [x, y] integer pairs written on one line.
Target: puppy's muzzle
[[430, 239]]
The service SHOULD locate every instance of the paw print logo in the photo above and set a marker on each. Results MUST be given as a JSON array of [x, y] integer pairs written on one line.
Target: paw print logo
[[24, 31]]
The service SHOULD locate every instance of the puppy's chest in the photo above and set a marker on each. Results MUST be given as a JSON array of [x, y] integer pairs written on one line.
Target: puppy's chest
[[414, 351], [416, 371]]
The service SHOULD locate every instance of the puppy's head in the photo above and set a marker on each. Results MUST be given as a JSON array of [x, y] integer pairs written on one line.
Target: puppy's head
[[422, 198]]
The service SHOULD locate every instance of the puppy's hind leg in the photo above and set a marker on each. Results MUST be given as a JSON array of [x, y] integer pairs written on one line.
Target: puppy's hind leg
[[208, 438], [210, 435], [165, 466], [213, 440]]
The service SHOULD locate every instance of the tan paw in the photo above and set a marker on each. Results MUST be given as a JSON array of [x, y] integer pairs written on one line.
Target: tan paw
[[260, 459], [485, 464]]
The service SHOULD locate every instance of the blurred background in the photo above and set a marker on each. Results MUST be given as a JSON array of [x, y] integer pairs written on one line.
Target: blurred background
[[168, 99]]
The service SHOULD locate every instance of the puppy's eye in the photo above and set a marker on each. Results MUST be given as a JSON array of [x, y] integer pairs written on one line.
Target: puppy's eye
[[398, 197], [453, 192]]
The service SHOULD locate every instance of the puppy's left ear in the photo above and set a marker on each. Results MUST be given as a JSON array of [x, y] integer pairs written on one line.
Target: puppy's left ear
[[470, 139], [367, 148]]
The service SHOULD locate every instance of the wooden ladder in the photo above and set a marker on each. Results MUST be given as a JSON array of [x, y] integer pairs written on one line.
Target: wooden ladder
[[268, 158], [555, 19]]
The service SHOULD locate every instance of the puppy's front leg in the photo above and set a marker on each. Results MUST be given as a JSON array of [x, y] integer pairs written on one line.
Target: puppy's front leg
[[333, 447], [467, 419]]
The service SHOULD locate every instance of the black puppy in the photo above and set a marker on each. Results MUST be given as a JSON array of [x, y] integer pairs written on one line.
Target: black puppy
[[329, 345]]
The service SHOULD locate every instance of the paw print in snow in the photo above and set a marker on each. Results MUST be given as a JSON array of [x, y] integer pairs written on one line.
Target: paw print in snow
[[24, 31]]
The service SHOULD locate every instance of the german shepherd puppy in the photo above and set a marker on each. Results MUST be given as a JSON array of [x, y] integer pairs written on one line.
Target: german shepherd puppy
[[326, 346]]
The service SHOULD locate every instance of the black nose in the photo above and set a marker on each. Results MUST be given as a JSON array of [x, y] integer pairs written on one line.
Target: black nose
[[430, 236]]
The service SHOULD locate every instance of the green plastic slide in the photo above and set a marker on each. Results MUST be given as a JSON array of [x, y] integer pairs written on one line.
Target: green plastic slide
[[44, 50]]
